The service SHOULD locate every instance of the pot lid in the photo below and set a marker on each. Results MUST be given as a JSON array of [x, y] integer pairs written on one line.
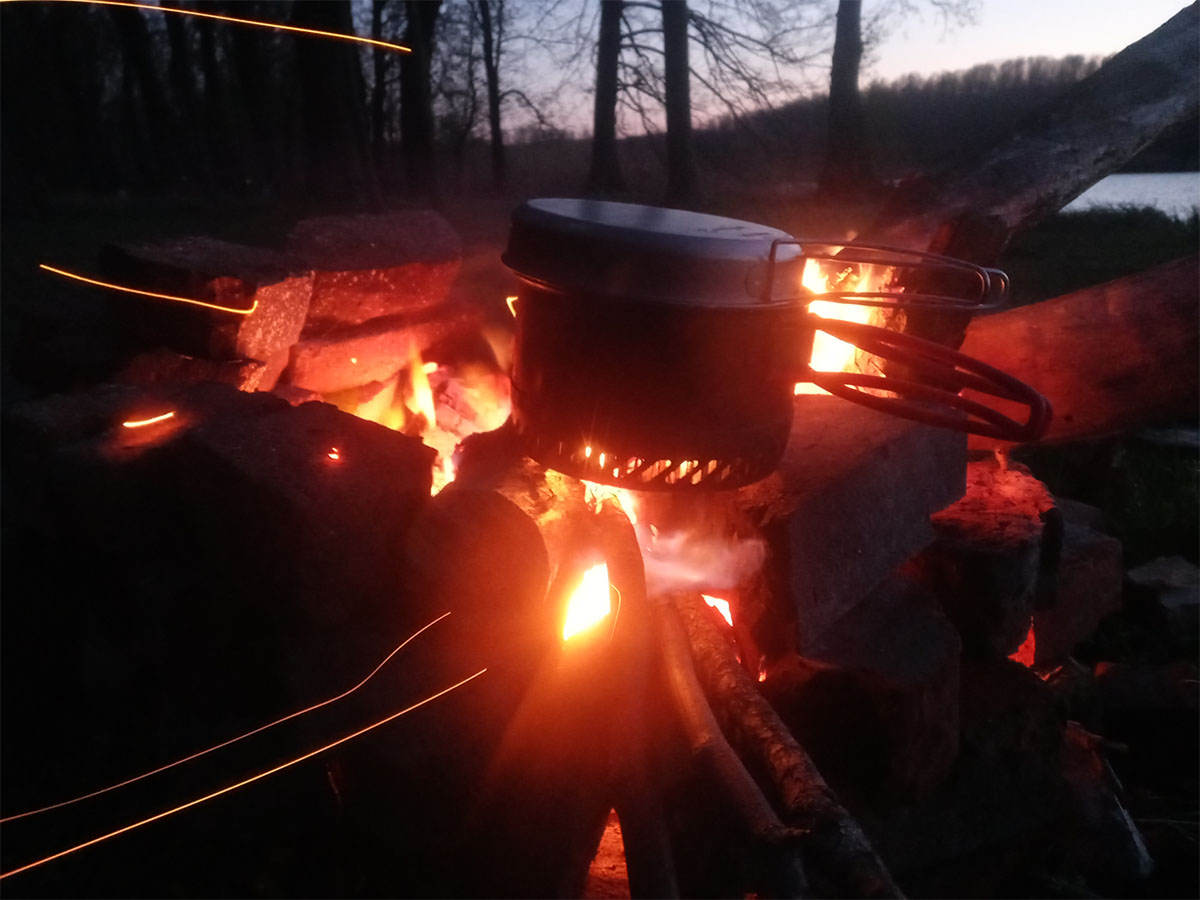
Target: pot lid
[[628, 251]]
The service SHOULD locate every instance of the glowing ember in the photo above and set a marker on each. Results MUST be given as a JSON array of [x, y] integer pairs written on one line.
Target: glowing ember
[[334, 453], [721, 606], [511, 302], [131, 290], [1025, 653], [141, 423], [590, 603]]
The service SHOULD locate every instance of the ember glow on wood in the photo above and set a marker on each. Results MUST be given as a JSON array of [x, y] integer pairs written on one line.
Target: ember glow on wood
[[313, 32], [132, 290], [590, 603], [721, 606]]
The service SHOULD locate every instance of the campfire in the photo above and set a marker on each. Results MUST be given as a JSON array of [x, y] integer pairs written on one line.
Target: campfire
[[701, 543]]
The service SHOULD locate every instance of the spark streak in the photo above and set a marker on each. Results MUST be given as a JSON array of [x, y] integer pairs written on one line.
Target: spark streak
[[131, 290], [242, 737], [315, 32], [140, 423], [233, 787]]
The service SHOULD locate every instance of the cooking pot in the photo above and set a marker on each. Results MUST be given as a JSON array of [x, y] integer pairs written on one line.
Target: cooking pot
[[658, 348]]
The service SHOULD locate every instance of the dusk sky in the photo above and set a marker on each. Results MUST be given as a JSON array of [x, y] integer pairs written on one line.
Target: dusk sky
[[1011, 28]]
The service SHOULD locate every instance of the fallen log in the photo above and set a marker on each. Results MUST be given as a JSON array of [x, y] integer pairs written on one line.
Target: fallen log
[[833, 845], [1090, 131], [1101, 123], [1109, 358]]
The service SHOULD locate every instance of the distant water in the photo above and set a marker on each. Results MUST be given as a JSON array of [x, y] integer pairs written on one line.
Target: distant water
[[1175, 193]]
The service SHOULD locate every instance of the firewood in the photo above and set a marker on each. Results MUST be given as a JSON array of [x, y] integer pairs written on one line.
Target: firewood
[[1109, 358], [833, 844], [710, 751]]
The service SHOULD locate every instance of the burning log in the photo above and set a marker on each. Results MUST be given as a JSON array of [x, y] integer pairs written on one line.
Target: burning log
[[375, 266], [833, 845], [275, 286], [1110, 357]]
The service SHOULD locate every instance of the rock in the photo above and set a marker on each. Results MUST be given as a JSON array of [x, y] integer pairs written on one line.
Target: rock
[[876, 702], [1175, 584], [1009, 711], [985, 564], [375, 351], [374, 266], [1088, 588], [1131, 687], [278, 287], [849, 503], [1105, 844], [1076, 512], [163, 366]]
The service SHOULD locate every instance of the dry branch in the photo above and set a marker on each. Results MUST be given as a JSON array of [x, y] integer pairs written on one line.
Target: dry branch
[[1109, 357], [833, 843], [714, 756]]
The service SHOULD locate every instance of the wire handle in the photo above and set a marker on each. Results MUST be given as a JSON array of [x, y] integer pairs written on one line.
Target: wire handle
[[945, 367], [923, 279]]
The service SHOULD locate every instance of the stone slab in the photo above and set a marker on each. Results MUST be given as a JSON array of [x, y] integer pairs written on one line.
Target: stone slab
[[850, 502], [375, 351], [372, 266], [217, 272]]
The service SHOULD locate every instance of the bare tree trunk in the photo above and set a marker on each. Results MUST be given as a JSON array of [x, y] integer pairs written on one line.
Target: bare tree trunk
[[379, 87], [847, 170], [416, 103], [492, 35], [682, 182], [605, 172], [160, 120], [334, 108], [181, 72]]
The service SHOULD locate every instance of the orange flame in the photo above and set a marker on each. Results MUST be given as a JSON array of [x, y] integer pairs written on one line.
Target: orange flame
[[315, 32], [142, 423], [131, 290], [721, 606], [829, 354], [589, 603]]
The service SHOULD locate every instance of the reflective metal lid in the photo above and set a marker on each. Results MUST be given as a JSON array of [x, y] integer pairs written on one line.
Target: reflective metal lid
[[624, 250]]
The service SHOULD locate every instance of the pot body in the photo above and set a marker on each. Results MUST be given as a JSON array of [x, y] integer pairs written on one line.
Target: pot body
[[652, 395]]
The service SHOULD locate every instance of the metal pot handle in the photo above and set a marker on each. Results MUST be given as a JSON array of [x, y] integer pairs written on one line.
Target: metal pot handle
[[949, 371]]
